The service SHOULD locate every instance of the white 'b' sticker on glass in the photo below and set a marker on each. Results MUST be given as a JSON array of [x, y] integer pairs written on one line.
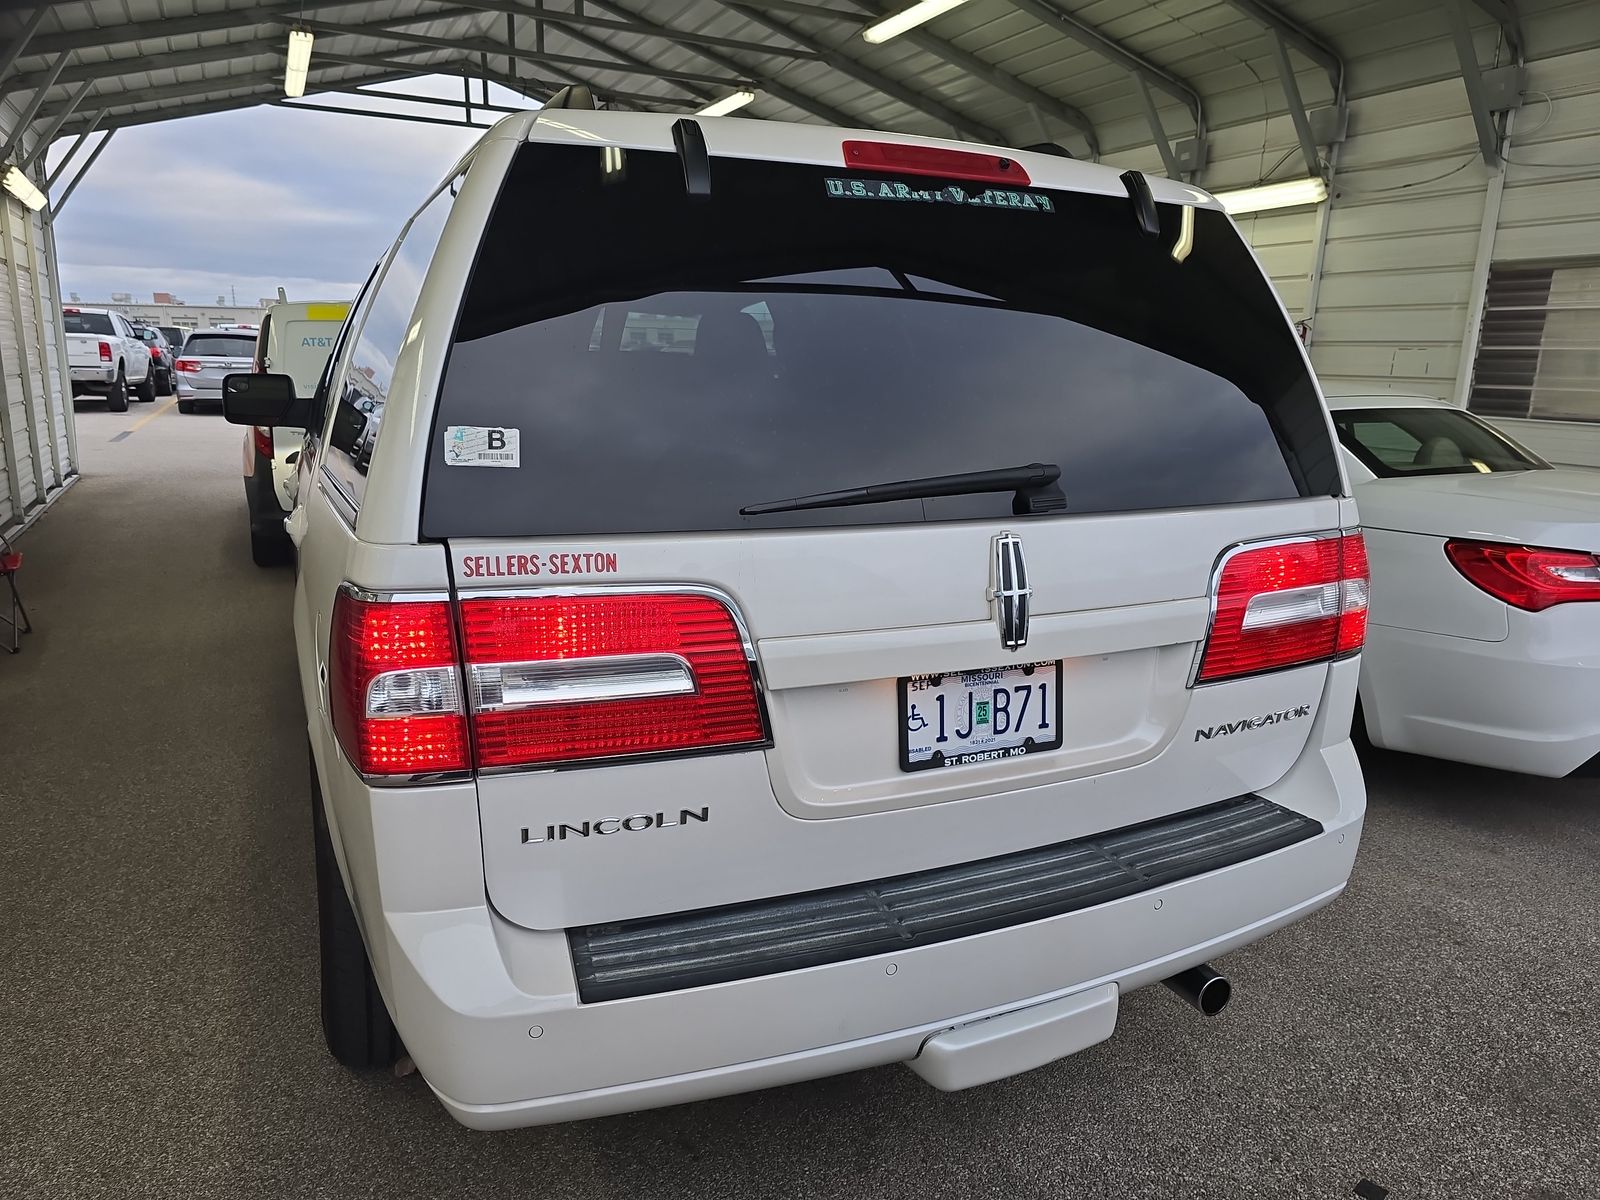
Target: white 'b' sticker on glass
[[481, 446]]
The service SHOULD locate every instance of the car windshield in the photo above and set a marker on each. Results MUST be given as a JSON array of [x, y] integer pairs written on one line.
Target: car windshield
[[804, 329], [219, 345], [1396, 442], [82, 322]]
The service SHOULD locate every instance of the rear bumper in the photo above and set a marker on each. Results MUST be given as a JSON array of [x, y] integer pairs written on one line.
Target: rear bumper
[[1529, 703], [1083, 1017], [490, 1010], [92, 379], [188, 391]]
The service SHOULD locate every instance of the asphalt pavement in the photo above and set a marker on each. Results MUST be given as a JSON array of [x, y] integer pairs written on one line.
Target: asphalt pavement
[[1436, 1031]]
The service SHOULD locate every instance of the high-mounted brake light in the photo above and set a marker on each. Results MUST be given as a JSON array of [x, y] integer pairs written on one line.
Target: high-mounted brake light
[[394, 686], [1527, 577], [901, 159], [187, 365], [561, 679], [1284, 604], [105, 351]]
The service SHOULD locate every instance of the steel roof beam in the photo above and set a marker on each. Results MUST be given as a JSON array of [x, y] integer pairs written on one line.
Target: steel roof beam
[[194, 108], [66, 158], [78, 178], [285, 102], [42, 142], [1504, 13], [229, 18], [873, 78], [229, 83], [1298, 37], [1472, 77], [996, 77], [683, 37], [792, 96], [484, 46], [138, 64], [1297, 107], [19, 43], [697, 93], [34, 105], [1088, 36]]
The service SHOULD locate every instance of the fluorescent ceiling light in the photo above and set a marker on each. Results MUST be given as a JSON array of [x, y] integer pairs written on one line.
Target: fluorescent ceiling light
[[20, 186], [298, 62], [908, 19], [728, 104], [1294, 194]]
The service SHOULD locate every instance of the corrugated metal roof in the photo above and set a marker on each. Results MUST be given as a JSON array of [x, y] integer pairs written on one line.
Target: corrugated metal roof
[[1009, 71]]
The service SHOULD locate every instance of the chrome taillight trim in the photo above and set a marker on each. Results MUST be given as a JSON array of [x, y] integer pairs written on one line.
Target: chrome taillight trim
[[578, 680], [636, 588]]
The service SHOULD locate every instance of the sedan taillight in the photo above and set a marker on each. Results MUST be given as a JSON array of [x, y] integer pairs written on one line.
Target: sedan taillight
[[1527, 577], [155, 351], [1284, 604]]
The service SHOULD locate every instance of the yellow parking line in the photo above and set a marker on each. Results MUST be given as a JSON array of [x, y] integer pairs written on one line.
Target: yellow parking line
[[152, 415]]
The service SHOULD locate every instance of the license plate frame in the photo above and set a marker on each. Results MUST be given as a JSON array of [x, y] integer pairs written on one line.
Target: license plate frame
[[934, 684]]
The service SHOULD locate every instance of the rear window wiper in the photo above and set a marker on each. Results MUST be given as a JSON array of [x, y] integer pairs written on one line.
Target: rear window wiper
[[1034, 485]]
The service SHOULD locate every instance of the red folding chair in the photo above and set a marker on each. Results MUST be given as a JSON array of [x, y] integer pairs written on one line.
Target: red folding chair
[[10, 561]]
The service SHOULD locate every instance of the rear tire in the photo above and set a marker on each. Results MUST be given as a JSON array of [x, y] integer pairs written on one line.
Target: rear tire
[[355, 1022], [267, 550], [117, 397], [147, 387], [186, 406]]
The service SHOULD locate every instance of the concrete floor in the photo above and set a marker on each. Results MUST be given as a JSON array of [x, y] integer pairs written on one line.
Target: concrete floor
[[1435, 1031]]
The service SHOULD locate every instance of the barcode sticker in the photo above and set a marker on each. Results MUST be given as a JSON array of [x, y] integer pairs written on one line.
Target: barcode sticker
[[482, 446]]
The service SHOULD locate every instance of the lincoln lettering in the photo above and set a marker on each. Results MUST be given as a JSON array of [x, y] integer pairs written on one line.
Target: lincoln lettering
[[1230, 728], [606, 826]]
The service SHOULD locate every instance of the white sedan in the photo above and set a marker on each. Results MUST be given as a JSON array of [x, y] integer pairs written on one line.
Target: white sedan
[[1484, 637]]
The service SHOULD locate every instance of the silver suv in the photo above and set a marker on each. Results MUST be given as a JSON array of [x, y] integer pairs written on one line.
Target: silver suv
[[775, 600]]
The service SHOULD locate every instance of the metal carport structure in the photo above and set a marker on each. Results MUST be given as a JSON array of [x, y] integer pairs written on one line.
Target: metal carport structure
[[1404, 106]]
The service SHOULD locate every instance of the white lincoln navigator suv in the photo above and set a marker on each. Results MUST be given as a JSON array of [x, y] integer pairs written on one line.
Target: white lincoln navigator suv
[[775, 600]]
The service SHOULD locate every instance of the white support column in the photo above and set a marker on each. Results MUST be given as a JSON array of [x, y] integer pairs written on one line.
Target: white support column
[[1478, 297]]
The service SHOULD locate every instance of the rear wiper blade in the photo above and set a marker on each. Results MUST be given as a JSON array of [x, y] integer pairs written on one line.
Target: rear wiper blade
[[1034, 485]]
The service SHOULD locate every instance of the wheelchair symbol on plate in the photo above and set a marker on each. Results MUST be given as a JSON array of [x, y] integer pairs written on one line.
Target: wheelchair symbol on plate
[[916, 720]]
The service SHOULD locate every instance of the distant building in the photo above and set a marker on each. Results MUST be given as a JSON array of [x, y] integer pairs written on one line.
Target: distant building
[[184, 316], [166, 298], [121, 298]]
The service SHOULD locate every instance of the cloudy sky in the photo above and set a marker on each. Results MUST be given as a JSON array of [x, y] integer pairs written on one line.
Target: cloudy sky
[[252, 200]]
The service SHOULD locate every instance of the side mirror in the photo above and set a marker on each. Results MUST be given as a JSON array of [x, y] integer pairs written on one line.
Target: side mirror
[[263, 400]]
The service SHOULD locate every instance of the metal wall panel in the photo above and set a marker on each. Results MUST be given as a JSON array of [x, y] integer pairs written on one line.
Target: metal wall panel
[[37, 438]]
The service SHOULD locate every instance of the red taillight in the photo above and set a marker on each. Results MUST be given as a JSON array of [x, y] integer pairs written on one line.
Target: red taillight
[[394, 687], [263, 440], [155, 351], [1287, 603], [566, 678], [1527, 577], [899, 159], [105, 351], [187, 365]]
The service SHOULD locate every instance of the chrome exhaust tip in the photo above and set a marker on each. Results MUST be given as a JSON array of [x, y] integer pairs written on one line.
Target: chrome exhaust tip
[[1206, 989]]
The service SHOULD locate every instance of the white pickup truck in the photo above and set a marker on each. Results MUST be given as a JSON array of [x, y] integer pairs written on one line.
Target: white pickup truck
[[105, 357]]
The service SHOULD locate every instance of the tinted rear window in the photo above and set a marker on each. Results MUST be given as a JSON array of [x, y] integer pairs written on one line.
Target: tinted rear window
[[666, 361], [219, 345], [82, 322]]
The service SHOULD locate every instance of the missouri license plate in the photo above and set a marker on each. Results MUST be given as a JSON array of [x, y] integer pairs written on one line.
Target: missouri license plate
[[977, 716]]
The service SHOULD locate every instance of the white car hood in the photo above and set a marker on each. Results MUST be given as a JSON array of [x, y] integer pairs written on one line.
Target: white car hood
[[1558, 508]]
